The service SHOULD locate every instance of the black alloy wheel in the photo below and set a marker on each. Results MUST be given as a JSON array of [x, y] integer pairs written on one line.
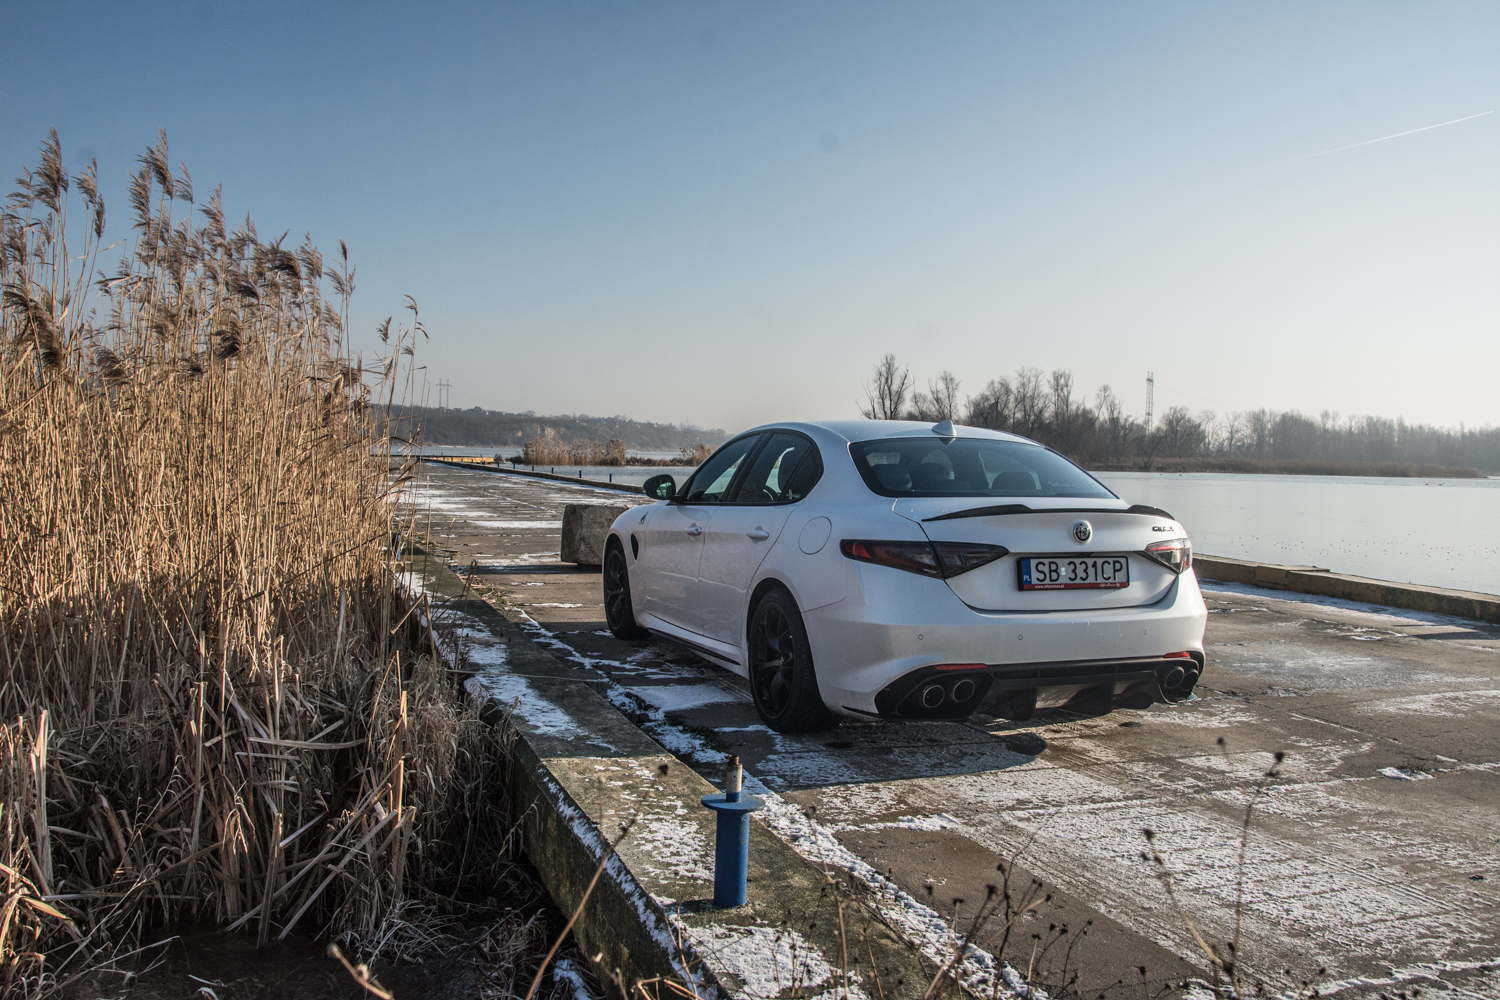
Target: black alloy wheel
[[618, 612], [782, 678]]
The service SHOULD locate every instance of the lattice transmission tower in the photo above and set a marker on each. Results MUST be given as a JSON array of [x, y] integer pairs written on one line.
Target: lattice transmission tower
[[1150, 398]]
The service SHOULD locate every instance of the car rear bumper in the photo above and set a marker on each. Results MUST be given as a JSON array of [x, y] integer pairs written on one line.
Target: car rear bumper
[[933, 693], [894, 628]]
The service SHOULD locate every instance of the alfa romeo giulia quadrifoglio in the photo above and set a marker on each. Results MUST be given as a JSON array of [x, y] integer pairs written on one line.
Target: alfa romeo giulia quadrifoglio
[[897, 570]]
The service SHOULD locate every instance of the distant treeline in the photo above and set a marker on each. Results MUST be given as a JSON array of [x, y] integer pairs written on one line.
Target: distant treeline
[[1101, 435], [482, 428]]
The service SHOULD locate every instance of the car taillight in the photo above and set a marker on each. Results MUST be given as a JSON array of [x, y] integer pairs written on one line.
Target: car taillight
[[960, 557], [938, 559], [1175, 553]]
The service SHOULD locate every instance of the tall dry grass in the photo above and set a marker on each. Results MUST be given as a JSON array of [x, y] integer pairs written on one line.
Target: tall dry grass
[[219, 707], [550, 451]]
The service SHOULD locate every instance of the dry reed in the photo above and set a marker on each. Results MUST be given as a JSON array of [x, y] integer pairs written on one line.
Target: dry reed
[[220, 706], [550, 451]]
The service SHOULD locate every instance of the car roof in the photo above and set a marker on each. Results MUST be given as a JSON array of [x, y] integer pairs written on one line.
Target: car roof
[[875, 430]]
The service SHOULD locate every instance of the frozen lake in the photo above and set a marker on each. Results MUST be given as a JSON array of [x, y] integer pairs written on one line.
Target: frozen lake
[[1438, 532]]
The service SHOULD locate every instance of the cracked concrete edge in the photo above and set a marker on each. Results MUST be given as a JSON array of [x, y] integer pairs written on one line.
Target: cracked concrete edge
[[1322, 583], [586, 769]]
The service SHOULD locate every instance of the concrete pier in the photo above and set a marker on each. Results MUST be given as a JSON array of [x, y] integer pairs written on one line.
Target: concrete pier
[[1372, 862]]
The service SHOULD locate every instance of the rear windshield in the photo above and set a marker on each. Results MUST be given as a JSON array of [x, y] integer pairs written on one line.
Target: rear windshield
[[970, 467]]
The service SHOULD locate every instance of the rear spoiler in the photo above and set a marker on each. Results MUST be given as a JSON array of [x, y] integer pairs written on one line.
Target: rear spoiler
[[1021, 508]]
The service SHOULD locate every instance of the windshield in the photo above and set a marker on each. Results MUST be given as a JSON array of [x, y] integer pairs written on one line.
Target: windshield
[[970, 467]]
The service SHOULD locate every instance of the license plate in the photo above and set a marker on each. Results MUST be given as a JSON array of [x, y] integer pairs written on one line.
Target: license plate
[[1074, 572]]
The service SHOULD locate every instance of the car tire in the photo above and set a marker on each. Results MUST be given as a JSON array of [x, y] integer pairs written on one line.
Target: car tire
[[782, 679], [619, 613]]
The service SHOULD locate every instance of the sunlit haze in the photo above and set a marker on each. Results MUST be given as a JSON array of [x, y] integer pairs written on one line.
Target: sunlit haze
[[726, 213]]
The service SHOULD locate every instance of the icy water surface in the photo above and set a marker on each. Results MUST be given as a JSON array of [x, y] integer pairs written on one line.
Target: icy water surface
[[1438, 532]]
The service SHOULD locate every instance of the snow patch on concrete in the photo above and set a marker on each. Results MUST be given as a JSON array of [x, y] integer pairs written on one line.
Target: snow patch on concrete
[[532, 710], [483, 651], [927, 824], [1448, 704], [678, 697], [677, 844], [771, 962], [1204, 714], [525, 559]]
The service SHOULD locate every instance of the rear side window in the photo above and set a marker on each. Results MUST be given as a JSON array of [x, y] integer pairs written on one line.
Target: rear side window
[[970, 467], [783, 472]]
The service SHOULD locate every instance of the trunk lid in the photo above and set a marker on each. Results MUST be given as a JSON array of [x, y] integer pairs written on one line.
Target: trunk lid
[[1039, 527]]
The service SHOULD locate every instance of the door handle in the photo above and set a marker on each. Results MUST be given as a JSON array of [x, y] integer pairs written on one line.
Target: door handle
[[695, 531], [759, 534]]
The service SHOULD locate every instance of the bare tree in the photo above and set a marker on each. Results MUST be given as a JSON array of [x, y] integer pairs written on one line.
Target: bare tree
[[887, 390], [1062, 397], [1180, 435], [944, 395], [1113, 420], [1258, 423], [1030, 402], [1066, 415], [1209, 421], [993, 407], [1233, 424]]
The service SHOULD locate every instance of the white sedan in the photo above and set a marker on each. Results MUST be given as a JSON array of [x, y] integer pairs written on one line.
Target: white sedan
[[898, 570]]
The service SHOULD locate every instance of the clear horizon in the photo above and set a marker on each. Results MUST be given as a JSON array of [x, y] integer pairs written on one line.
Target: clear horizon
[[724, 215]]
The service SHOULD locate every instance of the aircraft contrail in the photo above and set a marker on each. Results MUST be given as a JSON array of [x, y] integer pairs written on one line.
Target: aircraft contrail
[[1383, 138]]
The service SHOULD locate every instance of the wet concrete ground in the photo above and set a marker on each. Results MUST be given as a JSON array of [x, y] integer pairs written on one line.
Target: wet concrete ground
[[1373, 854]]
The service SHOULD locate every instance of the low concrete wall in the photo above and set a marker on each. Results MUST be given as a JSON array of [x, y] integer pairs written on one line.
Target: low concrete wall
[[1313, 580]]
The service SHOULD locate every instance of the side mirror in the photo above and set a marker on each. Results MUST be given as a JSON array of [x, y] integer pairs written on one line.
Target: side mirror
[[660, 487]]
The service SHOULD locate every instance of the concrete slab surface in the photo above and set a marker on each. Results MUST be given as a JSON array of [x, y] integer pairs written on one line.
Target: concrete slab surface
[[1372, 861]]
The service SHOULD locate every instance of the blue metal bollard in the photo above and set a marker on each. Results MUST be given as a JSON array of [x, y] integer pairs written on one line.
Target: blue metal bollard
[[732, 837]]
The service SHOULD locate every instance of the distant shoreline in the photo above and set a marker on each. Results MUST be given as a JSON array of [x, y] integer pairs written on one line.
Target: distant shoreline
[[1291, 467]]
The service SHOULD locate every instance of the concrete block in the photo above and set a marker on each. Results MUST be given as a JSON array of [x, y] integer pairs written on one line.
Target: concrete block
[[1271, 576], [584, 529]]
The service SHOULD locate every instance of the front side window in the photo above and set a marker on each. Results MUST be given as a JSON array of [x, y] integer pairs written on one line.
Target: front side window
[[716, 474], [970, 467], [783, 471]]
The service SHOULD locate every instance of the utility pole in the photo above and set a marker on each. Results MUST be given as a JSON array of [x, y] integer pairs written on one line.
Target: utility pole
[[445, 393], [1150, 398]]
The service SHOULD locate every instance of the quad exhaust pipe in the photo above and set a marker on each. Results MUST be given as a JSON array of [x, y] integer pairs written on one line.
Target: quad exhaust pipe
[[958, 692]]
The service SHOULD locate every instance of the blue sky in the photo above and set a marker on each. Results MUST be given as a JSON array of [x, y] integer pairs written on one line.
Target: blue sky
[[724, 213]]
